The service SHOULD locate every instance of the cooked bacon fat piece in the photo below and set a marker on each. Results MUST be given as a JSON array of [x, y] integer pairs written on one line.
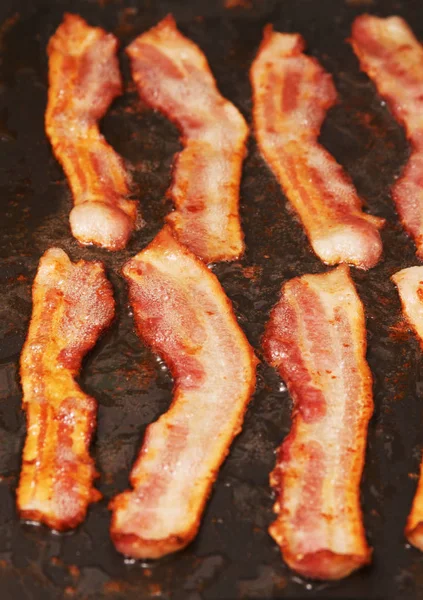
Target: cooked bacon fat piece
[[172, 75], [84, 79], [182, 313], [291, 96], [393, 59], [316, 338], [72, 305], [410, 287]]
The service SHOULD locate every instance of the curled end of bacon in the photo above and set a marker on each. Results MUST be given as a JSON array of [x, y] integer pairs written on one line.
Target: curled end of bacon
[[410, 288], [321, 564], [84, 79], [136, 545], [102, 224], [172, 75], [357, 243], [72, 305], [292, 94], [316, 338], [183, 314]]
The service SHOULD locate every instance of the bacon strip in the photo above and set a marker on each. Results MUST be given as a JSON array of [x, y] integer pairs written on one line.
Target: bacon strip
[[291, 96], [316, 338], [393, 59], [410, 287], [84, 79], [72, 305], [182, 313], [172, 75]]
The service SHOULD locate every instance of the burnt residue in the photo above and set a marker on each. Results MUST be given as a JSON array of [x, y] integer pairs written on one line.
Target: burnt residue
[[233, 555]]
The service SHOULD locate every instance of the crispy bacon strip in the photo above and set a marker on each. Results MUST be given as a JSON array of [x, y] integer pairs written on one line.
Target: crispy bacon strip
[[72, 305], [316, 338], [172, 75], [291, 95], [393, 59], [84, 79], [182, 313], [410, 287]]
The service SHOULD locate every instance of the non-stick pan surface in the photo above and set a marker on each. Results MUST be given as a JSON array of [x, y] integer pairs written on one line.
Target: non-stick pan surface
[[233, 555]]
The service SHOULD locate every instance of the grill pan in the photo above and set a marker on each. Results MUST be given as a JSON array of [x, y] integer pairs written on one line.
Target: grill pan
[[233, 555]]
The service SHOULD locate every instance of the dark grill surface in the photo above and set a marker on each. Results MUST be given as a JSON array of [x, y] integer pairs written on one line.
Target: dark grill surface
[[233, 555]]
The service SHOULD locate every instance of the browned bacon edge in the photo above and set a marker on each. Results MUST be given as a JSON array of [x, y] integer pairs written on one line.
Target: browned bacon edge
[[410, 287], [316, 339], [182, 314], [291, 96], [393, 59], [72, 305], [84, 79], [172, 75]]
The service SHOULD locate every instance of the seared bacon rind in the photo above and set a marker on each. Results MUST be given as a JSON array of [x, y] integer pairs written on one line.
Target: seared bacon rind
[[291, 96], [316, 338], [393, 59], [410, 287], [172, 75], [72, 305], [182, 313], [84, 79]]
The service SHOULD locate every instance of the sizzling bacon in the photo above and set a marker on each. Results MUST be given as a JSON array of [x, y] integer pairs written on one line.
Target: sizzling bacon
[[84, 79], [182, 313], [291, 95], [393, 59], [410, 287], [72, 305], [172, 75], [316, 338]]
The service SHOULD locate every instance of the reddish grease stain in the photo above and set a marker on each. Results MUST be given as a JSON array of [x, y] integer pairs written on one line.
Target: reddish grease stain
[[74, 571], [400, 331], [116, 587], [126, 25], [155, 589], [247, 4], [252, 273]]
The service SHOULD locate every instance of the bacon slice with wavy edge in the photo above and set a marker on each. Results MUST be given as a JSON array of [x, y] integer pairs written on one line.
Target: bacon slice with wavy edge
[[393, 59], [291, 96], [84, 79], [410, 287], [172, 75], [72, 305], [316, 338], [182, 313]]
